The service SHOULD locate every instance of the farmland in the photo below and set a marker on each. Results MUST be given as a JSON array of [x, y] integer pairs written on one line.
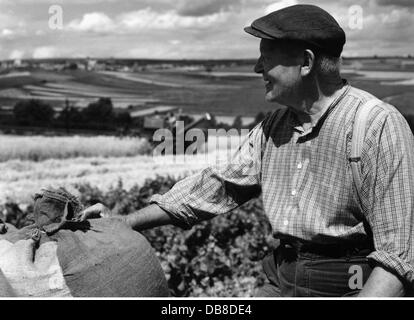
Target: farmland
[[21, 179], [224, 91], [39, 148], [29, 163]]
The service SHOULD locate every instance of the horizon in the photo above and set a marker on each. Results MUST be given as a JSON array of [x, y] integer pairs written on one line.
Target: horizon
[[402, 56]]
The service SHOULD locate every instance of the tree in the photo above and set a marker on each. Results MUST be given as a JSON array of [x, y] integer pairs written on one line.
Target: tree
[[100, 111], [237, 123], [33, 112], [70, 116]]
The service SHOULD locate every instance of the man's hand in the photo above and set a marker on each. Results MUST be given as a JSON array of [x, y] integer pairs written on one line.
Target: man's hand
[[98, 210]]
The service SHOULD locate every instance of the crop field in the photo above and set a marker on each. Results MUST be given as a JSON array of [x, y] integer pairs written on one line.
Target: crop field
[[227, 91], [30, 163], [21, 179], [39, 148]]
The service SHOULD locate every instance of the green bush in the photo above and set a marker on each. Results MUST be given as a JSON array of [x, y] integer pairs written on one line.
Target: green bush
[[219, 257]]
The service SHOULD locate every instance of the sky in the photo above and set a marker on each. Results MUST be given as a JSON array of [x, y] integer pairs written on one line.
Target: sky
[[184, 29]]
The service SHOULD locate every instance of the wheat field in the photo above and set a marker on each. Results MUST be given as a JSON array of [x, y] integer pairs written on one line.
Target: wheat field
[[39, 148], [28, 163]]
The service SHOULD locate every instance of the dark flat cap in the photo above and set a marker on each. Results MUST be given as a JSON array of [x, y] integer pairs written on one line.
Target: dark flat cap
[[306, 23]]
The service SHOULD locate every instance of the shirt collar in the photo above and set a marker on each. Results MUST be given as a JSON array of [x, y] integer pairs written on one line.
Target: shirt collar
[[298, 126]]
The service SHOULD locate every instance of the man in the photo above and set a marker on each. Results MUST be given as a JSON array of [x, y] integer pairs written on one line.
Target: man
[[329, 237]]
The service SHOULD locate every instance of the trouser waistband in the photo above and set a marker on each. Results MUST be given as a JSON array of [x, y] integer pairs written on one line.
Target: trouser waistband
[[332, 250]]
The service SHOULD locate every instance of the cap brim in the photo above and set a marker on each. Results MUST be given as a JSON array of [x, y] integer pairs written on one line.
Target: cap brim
[[258, 33]]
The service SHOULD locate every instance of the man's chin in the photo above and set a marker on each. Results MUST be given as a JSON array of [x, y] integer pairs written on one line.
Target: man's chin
[[269, 97]]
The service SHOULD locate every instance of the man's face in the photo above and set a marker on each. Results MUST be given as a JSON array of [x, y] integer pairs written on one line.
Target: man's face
[[280, 66]]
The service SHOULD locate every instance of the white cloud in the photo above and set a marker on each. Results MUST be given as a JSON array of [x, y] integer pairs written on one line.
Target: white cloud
[[95, 22], [45, 52], [145, 19], [6, 33], [205, 7], [398, 18], [175, 42], [16, 55], [11, 34]]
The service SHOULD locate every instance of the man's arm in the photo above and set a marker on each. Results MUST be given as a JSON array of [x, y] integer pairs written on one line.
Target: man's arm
[[145, 218], [388, 202], [382, 283], [148, 217], [215, 190]]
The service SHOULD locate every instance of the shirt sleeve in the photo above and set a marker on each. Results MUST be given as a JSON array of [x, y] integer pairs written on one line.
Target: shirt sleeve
[[388, 192], [219, 188]]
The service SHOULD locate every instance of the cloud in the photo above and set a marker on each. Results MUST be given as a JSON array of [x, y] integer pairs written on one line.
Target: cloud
[[402, 3], [11, 34], [95, 22], [398, 19], [45, 52], [6, 33], [16, 55], [205, 7], [149, 19], [145, 19]]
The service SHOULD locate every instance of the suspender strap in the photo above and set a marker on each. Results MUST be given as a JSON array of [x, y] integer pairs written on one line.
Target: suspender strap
[[358, 135]]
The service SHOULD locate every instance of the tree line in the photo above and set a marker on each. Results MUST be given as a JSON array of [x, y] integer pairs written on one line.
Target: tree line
[[98, 115]]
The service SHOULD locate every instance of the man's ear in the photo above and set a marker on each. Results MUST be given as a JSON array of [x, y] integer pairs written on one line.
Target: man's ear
[[308, 62]]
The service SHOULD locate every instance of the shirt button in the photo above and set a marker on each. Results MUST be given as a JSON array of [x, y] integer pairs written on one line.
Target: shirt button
[[300, 165], [286, 222], [293, 192]]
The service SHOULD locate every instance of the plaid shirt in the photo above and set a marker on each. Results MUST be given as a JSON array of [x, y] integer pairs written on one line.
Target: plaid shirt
[[306, 181]]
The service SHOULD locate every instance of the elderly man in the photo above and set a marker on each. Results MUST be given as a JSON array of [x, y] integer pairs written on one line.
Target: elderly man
[[330, 233]]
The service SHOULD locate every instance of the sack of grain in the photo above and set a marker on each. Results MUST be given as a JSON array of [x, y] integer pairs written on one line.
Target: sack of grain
[[60, 256]]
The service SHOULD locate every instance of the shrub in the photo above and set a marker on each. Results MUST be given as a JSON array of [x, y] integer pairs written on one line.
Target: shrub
[[33, 112], [99, 111]]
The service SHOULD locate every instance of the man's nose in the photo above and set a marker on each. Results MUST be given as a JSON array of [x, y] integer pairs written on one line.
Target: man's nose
[[258, 68]]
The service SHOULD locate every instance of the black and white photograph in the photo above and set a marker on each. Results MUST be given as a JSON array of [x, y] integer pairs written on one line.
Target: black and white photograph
[[187, 150]]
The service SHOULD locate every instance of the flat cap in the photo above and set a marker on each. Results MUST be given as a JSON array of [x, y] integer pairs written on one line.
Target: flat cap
[[302, 22]]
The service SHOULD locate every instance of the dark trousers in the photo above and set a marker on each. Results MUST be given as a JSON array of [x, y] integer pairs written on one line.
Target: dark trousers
[[292, 272]]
